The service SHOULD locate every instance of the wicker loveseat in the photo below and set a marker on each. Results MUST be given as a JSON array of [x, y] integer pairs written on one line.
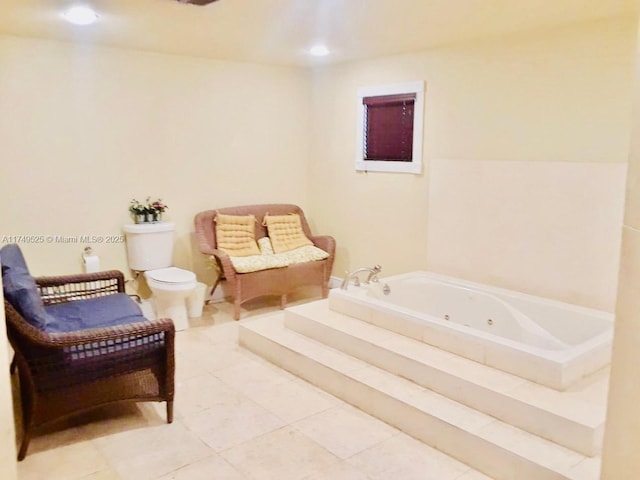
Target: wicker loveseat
[[272, 281], [80, 342]]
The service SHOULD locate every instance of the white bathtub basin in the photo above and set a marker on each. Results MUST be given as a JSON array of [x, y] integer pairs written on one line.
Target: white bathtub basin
[[549, 342]]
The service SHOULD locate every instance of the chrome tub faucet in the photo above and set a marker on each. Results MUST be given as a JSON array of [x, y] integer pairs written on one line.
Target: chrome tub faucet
[[372, 277]]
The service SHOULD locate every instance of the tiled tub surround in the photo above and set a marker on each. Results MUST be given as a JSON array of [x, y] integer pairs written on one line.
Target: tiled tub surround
[[552, 343], [549, 228]]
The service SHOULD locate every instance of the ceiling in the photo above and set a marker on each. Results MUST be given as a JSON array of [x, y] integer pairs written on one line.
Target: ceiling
[[281, 31]]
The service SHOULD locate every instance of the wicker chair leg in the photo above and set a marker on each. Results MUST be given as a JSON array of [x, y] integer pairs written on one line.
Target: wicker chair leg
[[213, 289], [283, 302], [14, 364], [24, 445], [169, 411], [236, 309]]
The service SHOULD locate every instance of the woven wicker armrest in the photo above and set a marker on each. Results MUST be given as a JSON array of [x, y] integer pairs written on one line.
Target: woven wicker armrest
[[38, 338], [224, 263], [325, 242], [64, 288], [128, 331]]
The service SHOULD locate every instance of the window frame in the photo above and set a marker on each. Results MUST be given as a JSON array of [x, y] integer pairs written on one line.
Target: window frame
[[415, 165]]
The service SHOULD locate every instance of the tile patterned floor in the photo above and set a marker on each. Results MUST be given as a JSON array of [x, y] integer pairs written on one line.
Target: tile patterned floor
[[237, 417]]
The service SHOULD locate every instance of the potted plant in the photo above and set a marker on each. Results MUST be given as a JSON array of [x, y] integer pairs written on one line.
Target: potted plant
[[138, 210], [158, 209], [149, 210]]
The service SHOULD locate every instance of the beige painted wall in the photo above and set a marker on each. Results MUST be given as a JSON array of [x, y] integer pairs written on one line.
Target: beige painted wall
[[86, 129], [550, 96], [620, 457]]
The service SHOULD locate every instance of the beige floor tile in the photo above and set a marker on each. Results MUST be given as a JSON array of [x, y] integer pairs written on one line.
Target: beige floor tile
[[473, 475], [70, 462], [231, 423], [341, 471], [96, 423], [249, 378], [200, 393], [402, 457], [121, 417], [211, 316], [210, 468], [109, 474], [283, 454], [217, 356], [292, 401], [150, 452], [62, 435], [225, 332], [345, 430], [188, 367], [192, 343]]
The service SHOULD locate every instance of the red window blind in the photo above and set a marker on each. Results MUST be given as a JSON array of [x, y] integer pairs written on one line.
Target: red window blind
[[388, 127]]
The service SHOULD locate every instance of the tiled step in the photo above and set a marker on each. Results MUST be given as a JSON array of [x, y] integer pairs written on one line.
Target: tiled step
[[489, 445], [574, 419]]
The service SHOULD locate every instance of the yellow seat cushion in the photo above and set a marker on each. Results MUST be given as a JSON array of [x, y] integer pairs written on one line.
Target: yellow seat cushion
[[235, 234], [285, 232], [268, 259], [255, 263], [306, 253]]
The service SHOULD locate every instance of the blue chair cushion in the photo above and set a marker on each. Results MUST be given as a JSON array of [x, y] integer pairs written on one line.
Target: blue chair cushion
[[20, 288], [98, 312]]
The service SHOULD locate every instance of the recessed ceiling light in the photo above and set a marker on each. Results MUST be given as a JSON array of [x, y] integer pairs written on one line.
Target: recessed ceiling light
[[319, 51], [80, 15]]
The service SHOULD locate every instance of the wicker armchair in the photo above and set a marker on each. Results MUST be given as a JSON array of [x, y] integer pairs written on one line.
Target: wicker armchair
[[62, 374], [275, 281]]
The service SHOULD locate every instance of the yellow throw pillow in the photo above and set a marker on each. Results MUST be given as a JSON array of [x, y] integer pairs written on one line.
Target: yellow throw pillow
[[235, 234], [285, 232]]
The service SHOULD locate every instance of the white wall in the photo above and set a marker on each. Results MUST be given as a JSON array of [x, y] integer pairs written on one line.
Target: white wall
[[86, 129], [551, 104]]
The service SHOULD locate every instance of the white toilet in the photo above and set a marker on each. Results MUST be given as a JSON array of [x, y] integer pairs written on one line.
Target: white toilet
[[150, 250]]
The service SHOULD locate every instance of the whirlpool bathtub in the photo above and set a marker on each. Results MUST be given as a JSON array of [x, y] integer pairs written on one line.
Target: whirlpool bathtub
[[546, 341]]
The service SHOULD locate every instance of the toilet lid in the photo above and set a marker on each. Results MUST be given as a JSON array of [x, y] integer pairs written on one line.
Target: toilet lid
[[171, 275]]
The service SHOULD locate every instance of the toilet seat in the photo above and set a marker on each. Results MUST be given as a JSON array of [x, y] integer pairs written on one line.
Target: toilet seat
[[170, 279], [171, 276]]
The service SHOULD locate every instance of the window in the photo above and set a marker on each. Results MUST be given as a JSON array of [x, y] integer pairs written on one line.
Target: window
[[390, 128]]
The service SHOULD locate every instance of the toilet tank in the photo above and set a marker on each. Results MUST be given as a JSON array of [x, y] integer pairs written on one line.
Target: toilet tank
[[150, 245]]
